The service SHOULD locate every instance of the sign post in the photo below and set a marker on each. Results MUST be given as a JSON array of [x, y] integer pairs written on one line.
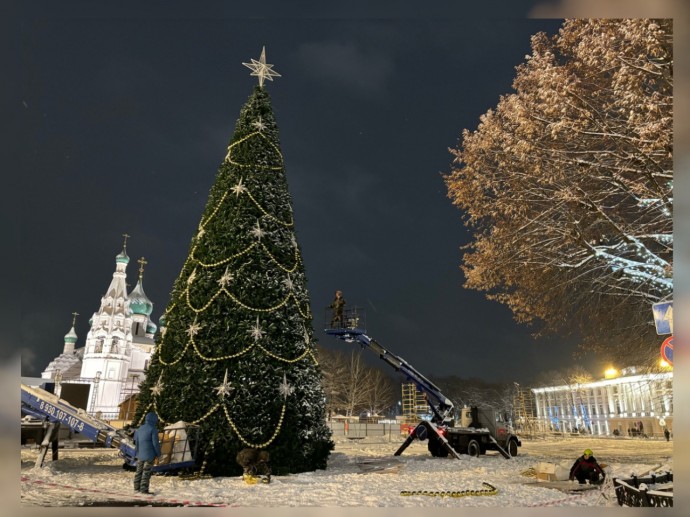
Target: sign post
[[667, 350], [663, 317]]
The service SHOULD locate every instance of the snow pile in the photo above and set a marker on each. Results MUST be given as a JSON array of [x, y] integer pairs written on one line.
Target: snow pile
[[362, 473]]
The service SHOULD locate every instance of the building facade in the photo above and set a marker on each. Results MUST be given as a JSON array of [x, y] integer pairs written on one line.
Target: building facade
[[633, 404], [118, 346]]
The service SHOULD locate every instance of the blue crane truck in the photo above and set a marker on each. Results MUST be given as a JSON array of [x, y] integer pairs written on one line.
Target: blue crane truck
[[479, 429], [178, 443]]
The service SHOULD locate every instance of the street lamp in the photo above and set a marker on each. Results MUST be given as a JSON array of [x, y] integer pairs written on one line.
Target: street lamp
[[610, 373]]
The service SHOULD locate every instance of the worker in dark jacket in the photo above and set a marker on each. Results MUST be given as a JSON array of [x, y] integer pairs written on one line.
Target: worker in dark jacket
[[587, 469], [147, 448], [338, 306]]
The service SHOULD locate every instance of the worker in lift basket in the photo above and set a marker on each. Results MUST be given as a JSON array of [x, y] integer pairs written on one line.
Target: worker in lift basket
[[587, 470], [146, 449], [338, 306]]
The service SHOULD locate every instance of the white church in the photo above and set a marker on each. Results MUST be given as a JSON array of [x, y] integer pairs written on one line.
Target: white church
[[118, 346]]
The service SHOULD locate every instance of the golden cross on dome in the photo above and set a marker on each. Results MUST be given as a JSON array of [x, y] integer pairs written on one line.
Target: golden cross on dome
[[74, 320], [126, 237], [141, 261]]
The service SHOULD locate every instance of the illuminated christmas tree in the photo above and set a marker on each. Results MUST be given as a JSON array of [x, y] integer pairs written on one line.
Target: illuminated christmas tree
[[235, 351]]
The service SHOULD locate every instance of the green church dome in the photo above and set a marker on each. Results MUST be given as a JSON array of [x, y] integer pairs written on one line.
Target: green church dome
[[122, 258], [139, 303], [71, 336]]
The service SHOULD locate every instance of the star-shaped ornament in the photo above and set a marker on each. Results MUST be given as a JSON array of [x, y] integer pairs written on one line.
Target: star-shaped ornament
[[226, 278], [239, 188], [285, 389], [225, 388], [158, 387], [257, 231], [261, 69], [193, 329], [256, 331], [259, 124], [289, 283]]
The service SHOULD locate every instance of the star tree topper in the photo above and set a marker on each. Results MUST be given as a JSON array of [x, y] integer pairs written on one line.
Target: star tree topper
[[261, 69]]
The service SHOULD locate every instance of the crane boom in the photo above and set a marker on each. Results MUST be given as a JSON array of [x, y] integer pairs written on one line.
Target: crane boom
[[48, 407], [440, 405], [479, 429]]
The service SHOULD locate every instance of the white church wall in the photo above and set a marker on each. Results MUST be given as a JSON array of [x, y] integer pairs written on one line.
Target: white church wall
[[118, 347]]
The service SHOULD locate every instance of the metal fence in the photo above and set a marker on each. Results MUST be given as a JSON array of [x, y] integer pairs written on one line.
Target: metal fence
[[356, 430], [635, 491]]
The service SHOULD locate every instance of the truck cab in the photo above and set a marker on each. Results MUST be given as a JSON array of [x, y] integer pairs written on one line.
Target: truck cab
[[492, 420]]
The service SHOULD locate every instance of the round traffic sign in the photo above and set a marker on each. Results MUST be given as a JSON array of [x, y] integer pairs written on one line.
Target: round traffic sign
[[667, 350]]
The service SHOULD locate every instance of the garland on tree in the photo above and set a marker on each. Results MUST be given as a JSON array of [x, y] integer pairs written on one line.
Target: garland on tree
[[235, 353]]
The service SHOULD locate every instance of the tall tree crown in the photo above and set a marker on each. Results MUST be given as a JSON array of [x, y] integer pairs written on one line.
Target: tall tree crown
[[236, 353], [568, 185]]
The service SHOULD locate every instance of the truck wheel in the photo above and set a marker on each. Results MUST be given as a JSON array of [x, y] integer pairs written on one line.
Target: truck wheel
[[473, 448], [433, 447], [512, 448], [436, 448]]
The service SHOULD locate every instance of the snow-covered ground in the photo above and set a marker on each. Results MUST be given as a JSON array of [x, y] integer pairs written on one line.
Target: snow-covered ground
[[360, 473]]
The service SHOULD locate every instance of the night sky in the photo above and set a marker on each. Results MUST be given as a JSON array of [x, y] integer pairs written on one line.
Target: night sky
[[120, 118]]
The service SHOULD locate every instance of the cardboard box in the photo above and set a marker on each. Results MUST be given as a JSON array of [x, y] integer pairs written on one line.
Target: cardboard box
[[546, 472], [166, 448], [551, 472]]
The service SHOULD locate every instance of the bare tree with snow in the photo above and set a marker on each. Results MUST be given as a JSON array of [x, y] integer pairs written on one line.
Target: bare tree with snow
[[351, 386]]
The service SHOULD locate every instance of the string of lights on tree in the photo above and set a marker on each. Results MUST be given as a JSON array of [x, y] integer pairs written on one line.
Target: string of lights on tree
[[228, 269]]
